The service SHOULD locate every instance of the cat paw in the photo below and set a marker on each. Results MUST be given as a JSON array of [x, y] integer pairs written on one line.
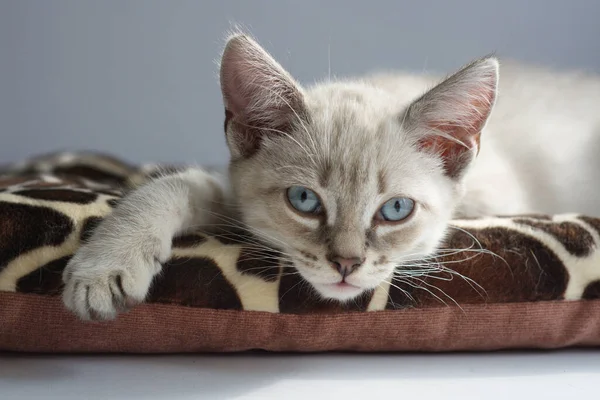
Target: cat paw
[[101, 284]]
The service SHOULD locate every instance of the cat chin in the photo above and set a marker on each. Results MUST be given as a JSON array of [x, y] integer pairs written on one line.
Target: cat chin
[[338, 291]]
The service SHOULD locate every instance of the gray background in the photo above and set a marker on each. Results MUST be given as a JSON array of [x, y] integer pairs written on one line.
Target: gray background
[[138, 78]]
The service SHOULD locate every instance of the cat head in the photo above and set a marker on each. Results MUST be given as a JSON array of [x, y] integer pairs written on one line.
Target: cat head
[[347, 179]]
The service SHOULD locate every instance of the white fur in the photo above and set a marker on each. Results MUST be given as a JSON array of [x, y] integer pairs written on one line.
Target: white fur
[[133, 241], [540, 148], [539, 153]]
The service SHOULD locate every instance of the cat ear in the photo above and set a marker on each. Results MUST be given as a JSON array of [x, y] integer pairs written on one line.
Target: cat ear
[[260, 97], [449, 118]]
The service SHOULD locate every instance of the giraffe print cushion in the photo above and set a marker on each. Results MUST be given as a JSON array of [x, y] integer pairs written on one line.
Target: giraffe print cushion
[[501, 282]]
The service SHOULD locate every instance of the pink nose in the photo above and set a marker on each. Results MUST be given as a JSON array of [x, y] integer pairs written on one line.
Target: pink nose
[[345, 266]]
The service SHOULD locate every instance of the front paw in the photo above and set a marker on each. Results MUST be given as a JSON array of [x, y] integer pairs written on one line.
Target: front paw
[[100, 283]]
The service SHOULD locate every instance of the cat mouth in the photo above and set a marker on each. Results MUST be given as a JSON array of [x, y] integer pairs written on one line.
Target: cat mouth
[[342, 285], [340, 289]]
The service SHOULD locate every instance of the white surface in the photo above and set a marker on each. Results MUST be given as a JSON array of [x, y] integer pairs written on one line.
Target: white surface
[[534, 375]]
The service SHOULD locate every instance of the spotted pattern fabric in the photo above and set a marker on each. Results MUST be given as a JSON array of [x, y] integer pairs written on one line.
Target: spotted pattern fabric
[[50, 204]]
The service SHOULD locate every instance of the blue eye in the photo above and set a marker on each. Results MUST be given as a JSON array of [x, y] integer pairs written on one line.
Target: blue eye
[[396, 209], [303, 199]]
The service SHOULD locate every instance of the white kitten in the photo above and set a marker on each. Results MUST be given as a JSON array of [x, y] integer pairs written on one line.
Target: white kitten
[[351, 179]]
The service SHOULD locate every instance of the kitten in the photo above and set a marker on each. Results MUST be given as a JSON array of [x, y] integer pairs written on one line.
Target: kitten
[[351, 179]]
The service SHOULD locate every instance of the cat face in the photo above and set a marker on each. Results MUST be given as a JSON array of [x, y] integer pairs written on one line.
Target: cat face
[[344, 179]]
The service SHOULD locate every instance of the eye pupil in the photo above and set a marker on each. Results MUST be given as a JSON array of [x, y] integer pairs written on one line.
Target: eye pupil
[[304, 200], [396, 209]]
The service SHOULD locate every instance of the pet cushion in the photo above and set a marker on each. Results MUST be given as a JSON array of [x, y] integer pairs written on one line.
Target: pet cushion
[[529, 281]]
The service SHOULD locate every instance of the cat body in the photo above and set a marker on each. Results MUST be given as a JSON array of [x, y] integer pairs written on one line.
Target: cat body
[[540, 150], [351, 180]]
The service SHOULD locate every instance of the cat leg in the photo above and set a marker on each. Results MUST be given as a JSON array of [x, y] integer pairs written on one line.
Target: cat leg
[[115, 268]]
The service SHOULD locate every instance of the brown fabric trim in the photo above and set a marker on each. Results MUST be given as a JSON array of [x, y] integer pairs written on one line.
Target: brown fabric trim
[[33, 323]]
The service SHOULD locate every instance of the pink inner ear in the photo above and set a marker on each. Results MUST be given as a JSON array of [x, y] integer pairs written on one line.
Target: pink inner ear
[[233, 70], [465, 130], [456, 156], [255, 87], [259, 95]]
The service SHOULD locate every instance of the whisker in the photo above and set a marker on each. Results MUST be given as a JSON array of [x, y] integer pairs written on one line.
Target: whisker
[[287, 291], [427, 269], [240, 225], [466, 232], [414, 285], [441, 291], [405, 292]]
